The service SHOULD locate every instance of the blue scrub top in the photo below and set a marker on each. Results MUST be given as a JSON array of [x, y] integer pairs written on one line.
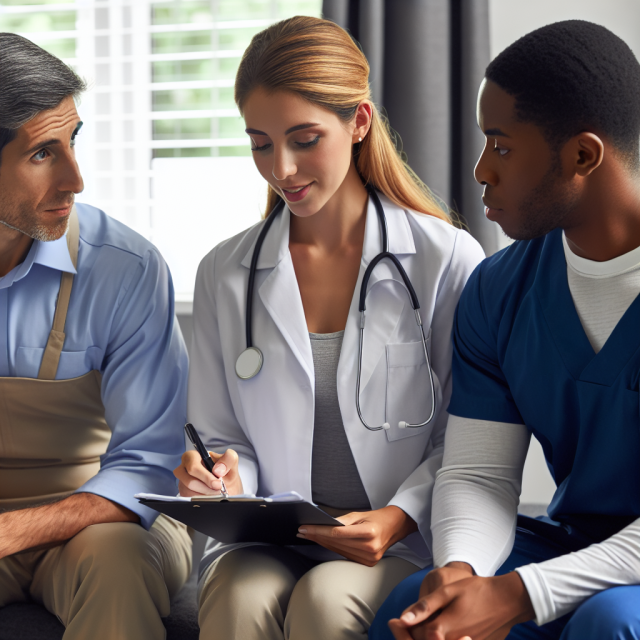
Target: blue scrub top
[[522, 356]]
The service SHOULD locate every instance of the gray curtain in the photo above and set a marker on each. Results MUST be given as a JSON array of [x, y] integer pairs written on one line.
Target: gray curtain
[[427, 60]]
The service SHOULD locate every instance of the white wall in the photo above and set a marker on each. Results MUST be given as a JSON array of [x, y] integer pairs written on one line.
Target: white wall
[[537, 484], [511, 19]]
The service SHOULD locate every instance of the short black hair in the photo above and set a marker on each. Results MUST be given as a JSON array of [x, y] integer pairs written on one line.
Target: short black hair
[[573, 76], [31, 81]]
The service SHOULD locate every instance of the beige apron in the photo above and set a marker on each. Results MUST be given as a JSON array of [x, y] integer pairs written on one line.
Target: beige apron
[[52, 432]]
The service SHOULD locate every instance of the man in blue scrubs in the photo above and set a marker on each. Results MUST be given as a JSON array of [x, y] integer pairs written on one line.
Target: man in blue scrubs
[[92, 379], [546, 341]]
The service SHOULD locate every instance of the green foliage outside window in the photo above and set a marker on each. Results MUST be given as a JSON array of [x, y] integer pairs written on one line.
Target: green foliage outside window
[[193, 99], [201, 152], [180, 70], [181, 42], [231, 128], [197, 152], [181, 12], [38, 22], [186, 129], [64, 48], [198, 128], [182, 99]]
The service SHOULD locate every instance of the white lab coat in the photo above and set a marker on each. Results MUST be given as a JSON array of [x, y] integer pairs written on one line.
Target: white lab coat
[[269, 419]]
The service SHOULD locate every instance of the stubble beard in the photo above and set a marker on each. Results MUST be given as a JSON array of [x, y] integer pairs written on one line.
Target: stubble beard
[[22, 218], [546, 207]]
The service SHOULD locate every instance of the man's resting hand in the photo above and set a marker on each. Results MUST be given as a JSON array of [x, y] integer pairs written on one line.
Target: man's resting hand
[[461, 608]]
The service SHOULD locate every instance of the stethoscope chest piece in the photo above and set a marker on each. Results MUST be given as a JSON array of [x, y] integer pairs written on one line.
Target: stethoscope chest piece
[[249, 363]]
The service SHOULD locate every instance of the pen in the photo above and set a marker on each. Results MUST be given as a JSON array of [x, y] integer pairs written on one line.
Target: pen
[[204, 454]]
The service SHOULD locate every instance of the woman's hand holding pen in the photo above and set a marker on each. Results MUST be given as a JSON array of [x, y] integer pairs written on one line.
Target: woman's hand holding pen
[[366, 536], [196, 480]]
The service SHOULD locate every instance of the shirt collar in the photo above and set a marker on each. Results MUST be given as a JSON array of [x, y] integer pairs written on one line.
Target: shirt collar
[[54, 254], [609, 268]]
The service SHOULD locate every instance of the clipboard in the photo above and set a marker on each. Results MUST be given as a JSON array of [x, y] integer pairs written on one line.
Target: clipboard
[[245, 519]]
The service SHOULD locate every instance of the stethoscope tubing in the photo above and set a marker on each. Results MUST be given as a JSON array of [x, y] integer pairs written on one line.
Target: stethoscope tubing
[[257, 357], [386, 255], [253, 268], [403, 424]]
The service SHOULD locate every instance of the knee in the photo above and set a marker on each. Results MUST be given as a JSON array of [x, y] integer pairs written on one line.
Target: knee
[[116, 548], [323, 605], [320, 587], [246, 578], [610, 615]]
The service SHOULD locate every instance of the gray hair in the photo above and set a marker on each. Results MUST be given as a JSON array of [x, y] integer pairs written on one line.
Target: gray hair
[[31, 81]]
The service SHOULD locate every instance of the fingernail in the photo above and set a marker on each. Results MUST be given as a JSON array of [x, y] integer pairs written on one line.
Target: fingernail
[[302, 531], [298, 535], [408, 617], [220, 469]]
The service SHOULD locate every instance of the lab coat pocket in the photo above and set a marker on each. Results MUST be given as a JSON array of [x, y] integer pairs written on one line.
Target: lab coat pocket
[[408, 390], [73, 364]]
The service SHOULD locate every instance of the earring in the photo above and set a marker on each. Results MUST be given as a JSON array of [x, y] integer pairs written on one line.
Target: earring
[[359, 139]]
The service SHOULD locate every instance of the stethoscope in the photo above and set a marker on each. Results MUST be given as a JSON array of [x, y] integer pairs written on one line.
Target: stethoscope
[[250, 361]]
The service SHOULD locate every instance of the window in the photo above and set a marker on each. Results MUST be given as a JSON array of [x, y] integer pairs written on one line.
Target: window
[[163, 147]]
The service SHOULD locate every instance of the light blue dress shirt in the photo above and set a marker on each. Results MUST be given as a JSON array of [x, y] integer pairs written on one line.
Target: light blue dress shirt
[[121, 322]]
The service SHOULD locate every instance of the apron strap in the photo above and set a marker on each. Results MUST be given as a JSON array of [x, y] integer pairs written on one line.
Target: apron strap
[[51, 357]]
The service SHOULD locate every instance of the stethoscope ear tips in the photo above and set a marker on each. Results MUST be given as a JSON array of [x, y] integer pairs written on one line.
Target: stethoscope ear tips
[[401, 425]]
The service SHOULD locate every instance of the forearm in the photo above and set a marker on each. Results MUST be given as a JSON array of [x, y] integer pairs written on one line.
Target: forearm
[[53, 524], [558, 586], [476, 493]]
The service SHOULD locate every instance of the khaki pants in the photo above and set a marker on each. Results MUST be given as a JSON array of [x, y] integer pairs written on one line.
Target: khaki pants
[[110, 582], [271, 593]]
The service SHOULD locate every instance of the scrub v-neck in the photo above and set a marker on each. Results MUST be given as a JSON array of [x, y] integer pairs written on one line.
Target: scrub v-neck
[[552, 289]]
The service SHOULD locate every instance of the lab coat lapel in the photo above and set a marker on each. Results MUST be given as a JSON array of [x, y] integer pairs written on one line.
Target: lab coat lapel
[[280, 293], [383, 308]]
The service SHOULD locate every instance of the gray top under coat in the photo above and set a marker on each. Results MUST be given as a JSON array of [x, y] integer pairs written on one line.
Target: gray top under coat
[[335, 481]]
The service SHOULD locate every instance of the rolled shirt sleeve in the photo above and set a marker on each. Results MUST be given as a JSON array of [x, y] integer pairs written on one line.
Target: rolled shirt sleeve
[[144, 379]]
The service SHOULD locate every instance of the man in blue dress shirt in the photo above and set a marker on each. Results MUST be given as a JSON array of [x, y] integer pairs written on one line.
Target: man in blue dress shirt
[[93, 373]]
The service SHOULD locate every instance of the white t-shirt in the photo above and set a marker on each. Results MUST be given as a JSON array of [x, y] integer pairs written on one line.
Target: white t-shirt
[[477, 491]]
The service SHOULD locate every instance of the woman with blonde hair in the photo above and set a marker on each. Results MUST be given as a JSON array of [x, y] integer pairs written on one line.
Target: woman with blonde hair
[[351, 419]]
